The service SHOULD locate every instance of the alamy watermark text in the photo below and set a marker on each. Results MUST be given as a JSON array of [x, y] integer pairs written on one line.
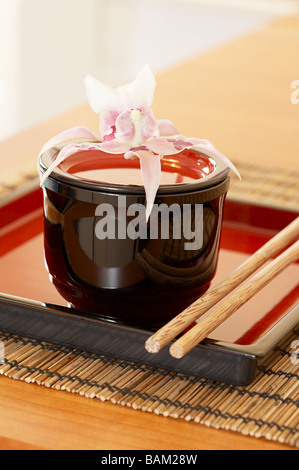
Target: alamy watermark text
[[129, 221], [295, 94]]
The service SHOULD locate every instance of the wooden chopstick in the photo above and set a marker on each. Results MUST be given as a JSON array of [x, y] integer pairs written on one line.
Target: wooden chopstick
[[178, 324], [234, 301]]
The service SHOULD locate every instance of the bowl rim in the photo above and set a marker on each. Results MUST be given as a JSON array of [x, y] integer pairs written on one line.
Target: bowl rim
[[60, 176]]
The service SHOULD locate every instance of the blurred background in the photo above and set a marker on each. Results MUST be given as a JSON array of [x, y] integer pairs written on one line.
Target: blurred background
[[47, 47]]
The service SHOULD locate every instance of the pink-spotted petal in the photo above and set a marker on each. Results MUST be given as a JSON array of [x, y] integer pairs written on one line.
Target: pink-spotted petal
[[150, 165], [149, 125], [169, 145], [107, 123], [113, 146], [124, 127]]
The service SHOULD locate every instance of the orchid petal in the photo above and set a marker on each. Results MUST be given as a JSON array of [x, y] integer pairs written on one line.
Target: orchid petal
[[149, 125], [99, 95], [115, 147], [151, 175], [166, 127], [65, 153], [140, 91], [74, 133], [124, 127], [206, 146], [169, 145]]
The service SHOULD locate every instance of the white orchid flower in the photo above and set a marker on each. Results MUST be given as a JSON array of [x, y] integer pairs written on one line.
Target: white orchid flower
[[128, 126]]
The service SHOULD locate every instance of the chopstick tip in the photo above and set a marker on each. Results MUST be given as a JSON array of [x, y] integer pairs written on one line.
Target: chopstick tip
[[176, 351], [152, 346]]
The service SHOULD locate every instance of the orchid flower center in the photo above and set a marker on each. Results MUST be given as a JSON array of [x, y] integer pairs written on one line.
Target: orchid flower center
[[136, 116]]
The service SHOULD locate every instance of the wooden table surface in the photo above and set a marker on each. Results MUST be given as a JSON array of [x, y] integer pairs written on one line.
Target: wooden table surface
[[238, 97]]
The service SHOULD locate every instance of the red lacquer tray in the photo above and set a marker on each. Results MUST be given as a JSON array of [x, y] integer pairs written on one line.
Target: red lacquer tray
[[30, 305]]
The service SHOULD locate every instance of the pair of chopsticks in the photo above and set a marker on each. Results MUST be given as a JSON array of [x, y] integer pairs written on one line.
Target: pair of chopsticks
[[236, 295]]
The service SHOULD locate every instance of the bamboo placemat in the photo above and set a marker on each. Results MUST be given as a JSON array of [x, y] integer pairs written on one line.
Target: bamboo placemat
[[273, 186], [267, 408]]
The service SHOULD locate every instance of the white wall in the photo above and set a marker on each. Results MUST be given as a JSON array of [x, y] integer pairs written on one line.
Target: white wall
[[9, 65], [48, 46], [44, 55]]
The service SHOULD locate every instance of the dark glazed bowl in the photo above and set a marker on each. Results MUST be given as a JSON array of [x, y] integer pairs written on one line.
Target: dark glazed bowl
[[144, 281]]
